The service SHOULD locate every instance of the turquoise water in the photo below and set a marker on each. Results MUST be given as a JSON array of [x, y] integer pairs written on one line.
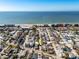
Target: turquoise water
[[38, 17]]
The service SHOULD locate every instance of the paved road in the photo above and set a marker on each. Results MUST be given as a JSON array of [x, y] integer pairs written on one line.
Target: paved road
[[38, 51]]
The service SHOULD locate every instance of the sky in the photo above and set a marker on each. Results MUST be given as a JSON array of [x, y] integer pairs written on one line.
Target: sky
[[39, 5]]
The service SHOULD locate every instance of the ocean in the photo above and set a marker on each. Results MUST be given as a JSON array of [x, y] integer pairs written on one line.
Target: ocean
[[38, 17]]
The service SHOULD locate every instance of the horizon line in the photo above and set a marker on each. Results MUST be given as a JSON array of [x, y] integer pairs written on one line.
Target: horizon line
[[39, 11]]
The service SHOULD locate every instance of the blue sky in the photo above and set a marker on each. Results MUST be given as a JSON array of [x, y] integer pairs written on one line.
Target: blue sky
[[39, 5]]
